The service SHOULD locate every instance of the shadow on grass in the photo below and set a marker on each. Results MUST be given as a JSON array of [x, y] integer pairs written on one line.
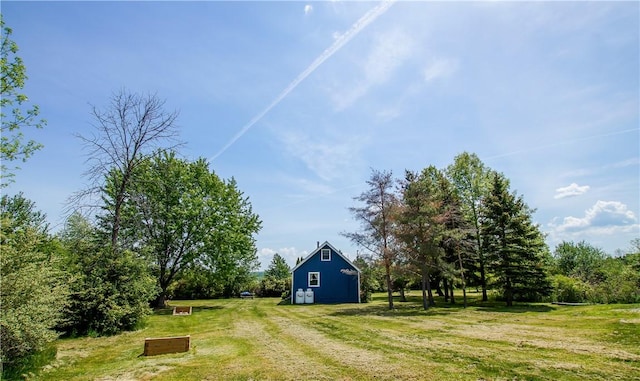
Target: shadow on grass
[[476, 302], [194, 309], [516, 308], [413, 307], [397, 311]]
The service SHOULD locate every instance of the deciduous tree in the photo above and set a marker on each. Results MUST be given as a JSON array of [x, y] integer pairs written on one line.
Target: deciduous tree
[[33, 290], [580, 260], [181, 214], [470, 178], [14, 114], [131, 127]]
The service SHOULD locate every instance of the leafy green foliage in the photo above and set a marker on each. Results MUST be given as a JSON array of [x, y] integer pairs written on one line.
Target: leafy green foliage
[[619, 283], [12, 144], [420, 226], [568, 289], [181, 215], [192, 283], [371, 277], [471, 180], [278, 268], [599, 277], [33, 291], [579, 260]]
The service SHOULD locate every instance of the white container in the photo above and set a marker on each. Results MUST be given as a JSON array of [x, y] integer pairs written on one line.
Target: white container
[[299, 296], [308, 296]]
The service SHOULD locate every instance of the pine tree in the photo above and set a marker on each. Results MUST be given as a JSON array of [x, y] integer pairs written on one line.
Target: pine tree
[[514, 246], [376, 219]]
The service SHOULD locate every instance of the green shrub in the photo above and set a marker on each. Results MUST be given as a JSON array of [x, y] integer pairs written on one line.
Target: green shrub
[[110, 293], [568, 289], [620, 286], [195, 283], [272, 287], [33, 291]]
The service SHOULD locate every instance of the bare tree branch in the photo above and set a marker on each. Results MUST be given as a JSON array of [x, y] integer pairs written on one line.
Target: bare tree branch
[[131, 127]]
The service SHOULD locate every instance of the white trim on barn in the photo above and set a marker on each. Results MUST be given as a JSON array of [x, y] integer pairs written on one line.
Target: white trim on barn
[[326, 243], [318, 249], [313, 279]]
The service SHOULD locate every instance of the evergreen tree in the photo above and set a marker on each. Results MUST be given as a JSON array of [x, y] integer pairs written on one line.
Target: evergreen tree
[[109, 293], [376, 220], [419, 227], [277, 277], [514, 246], [278, 268], [457, 236]]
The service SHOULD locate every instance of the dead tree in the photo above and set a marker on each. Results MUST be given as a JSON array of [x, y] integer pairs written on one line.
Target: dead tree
[[129, 128]]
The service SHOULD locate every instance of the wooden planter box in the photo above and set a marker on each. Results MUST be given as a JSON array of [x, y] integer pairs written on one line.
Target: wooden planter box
[[160, 346], [182, 310]]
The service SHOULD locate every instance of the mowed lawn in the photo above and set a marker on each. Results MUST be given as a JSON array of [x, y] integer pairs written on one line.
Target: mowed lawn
[[257, 339]]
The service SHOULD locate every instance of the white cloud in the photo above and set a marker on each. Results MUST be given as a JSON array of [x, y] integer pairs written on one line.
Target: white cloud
[[605, 222], [329, 157], [603, 217], [571, 190], [290, 255], [308, 9], [388, 52], [440, 68]]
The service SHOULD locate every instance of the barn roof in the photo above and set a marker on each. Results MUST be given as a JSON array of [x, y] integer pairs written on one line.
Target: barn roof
[[317, 250]]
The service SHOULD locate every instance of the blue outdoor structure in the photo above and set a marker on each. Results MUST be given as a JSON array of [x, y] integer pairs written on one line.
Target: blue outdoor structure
[[329, 274]]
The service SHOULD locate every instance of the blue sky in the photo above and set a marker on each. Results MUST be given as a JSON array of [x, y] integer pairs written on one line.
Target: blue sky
[[300, 100]]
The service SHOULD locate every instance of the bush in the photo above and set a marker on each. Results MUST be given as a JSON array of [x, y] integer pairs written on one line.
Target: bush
[[33, 291], [619, 286], [195, 283], [271, 287], [569, 290], [109, 294]]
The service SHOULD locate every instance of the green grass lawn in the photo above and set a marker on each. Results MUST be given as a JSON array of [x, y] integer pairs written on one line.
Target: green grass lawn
[[257, 339]]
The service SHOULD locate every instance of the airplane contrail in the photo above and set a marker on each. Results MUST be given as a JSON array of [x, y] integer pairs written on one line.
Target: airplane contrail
[[356, 28]]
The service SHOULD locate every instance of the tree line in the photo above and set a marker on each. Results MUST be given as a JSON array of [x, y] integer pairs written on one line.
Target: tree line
[[463, 227]]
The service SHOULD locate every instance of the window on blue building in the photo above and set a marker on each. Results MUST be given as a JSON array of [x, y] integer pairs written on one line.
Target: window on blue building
[[314, 279], [325, 255]]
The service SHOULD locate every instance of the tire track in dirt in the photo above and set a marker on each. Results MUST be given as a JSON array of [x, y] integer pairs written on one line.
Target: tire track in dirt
[[364, 362], [277, 355]]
